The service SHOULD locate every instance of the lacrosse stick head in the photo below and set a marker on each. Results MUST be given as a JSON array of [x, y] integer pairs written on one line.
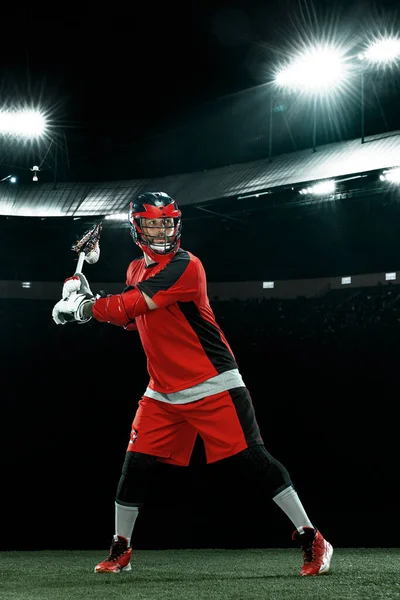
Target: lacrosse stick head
[[89, 244]]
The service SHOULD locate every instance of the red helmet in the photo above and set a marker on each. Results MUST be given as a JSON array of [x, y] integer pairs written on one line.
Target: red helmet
[[156, 205]]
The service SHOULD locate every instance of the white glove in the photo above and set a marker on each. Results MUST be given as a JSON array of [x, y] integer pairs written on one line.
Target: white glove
[[70, 309], [76, 283]]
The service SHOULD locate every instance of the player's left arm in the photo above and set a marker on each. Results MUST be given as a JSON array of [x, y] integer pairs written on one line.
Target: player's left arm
[[112, 309], [178, 281], [118, 309]]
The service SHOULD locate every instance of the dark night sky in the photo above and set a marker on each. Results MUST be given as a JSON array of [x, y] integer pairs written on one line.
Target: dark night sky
[[145, 92]]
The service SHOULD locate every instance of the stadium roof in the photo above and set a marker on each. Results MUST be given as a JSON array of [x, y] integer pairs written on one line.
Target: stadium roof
[[91, 199]]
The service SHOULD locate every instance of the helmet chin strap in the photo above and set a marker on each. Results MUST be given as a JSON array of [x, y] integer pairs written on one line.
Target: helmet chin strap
[[160, 247], [158, 256]]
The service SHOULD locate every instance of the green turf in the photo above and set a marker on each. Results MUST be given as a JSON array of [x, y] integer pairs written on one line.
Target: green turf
[[272, 574]]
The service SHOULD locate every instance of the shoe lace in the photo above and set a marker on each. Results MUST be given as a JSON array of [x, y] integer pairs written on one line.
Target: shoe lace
[[116, 550], [308, 551]]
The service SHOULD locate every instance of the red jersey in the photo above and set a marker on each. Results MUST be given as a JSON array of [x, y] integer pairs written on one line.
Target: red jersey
[[183, 343]]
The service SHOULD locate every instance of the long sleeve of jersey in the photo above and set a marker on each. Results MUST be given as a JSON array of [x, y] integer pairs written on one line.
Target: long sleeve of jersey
[[120, 309]]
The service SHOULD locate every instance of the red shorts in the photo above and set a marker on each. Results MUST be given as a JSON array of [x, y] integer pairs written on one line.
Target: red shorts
[[225, 421]]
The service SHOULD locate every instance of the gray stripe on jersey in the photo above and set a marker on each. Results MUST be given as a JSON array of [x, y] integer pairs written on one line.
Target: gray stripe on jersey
[[220, 383]]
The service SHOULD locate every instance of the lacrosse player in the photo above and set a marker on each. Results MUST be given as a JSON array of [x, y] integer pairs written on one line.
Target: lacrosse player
[[195, 386]]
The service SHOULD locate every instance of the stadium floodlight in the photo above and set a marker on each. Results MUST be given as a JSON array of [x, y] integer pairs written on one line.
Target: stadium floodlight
[[324, 188], [320, 70], [9, 178], [391, 175], [23, 123], [116, 217], [382, 51]]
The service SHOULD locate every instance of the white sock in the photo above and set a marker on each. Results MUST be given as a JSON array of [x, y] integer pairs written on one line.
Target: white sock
[[125, 518], [289, 502]]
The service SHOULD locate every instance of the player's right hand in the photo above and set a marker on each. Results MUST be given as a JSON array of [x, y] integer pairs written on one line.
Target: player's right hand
[[73, 285]]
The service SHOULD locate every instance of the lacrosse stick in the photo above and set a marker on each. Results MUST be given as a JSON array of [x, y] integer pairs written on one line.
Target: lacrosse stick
[[88, 247], [88, 250]]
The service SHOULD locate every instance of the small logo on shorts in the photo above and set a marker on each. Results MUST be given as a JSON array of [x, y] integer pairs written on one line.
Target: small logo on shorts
[[134, 434]]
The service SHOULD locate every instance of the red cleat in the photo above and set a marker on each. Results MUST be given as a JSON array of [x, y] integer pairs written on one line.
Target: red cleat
[[317, 552], [119, 558]]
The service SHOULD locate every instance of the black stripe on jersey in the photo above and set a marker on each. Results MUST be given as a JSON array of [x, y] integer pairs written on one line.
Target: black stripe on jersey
[[166, 278], [209, 337]]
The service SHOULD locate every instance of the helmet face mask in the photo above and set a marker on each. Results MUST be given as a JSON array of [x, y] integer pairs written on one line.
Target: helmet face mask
[[156, 225], [158, 234]]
